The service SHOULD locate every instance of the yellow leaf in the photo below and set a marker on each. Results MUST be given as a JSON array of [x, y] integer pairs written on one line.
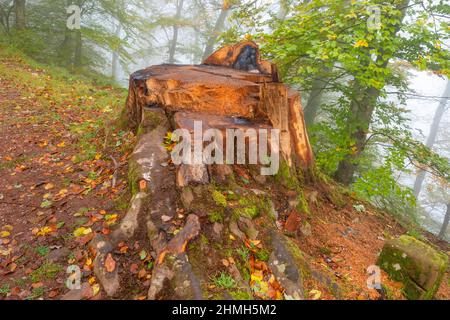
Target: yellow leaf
[[4, 234], [361, 43], [49, 186], [82, 231], [95, 289], [44, 231], [61, 144], [98, 156], [315, 294], [8, 227]]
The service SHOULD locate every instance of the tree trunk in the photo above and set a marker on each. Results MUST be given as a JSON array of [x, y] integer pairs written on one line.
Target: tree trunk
[[315, 97], [359, 122], [220, 22], [19, 10], [445, 223], [283, 10], [78, 58], [432, 136], [173, 45], [115, 56], [361, 116]]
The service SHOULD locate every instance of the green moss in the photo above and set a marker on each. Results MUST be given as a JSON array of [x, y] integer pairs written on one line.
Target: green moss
[[219, 198], [215, 216], [287, 177], [409, 260], [241, 295], [303, 205], [133, 178], [251, 206]]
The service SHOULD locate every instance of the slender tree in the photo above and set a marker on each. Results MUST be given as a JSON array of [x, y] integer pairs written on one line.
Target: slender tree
[[433, 134], [20, 15]]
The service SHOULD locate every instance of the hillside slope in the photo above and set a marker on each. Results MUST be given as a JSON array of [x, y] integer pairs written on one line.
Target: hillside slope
[[65, 166]]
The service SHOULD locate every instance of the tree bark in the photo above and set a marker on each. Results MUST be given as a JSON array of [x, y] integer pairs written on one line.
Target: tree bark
[[220, 22], [445, 223], [19, 10], [432, 136], [173, 44]]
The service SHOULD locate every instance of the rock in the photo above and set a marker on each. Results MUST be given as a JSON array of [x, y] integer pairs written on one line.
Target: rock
[[416, 264], [221, 173], [260, 179], [217, 228], [192, 174], [234, 229], [248, 227], [283, 266], [187, 197], [305, 229], [292, 222]]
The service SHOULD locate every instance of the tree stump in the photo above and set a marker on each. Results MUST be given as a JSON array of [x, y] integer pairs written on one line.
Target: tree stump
[[233, 83]]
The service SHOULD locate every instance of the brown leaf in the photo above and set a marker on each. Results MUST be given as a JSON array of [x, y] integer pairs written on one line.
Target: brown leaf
[[110, 264]]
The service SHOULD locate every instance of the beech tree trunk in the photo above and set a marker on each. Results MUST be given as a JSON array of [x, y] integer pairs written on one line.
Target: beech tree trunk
[[360, 118], [220, 22], [115, 56], [19, 10], [173, 44], [432, 136], [445, 223]]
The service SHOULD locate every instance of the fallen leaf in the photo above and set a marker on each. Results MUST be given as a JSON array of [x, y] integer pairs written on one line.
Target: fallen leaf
[[82, 231], [49, 186], [315, 294], [110, 264], [4, 234]]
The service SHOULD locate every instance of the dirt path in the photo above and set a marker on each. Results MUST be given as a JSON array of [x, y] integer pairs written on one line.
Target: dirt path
[[57, 171]]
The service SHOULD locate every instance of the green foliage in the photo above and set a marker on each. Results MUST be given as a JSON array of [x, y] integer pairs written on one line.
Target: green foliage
[[328, 49], [225, 281]]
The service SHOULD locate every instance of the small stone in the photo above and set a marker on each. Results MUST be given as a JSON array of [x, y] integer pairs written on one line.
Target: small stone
[[234, 229], [187, 197], [305, 229], [218, 227], [165, 218]]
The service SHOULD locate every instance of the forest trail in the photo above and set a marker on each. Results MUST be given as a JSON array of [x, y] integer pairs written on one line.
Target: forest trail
[[57, 168], [59, 158]]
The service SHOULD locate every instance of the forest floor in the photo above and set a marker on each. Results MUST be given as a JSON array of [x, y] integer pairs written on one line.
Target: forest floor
[[63, 167]]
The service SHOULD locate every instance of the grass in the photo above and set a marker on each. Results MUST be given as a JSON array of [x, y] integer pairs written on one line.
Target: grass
[[46, 271], [224, 281], [42, 250], [244, 253], [4, 290]]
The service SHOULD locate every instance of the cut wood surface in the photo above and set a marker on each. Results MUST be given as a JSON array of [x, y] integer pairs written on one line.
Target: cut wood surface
[[232, 82]]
